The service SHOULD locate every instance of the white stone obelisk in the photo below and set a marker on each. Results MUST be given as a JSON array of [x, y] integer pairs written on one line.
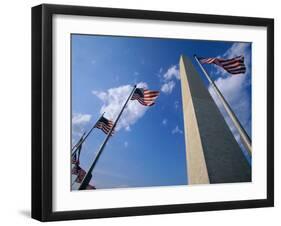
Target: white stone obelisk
[[212, 153]]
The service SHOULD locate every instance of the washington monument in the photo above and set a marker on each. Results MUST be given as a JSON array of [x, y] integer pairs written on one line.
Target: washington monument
[[212, 153]]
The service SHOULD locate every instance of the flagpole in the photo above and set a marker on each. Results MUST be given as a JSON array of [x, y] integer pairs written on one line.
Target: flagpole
[[75, 148], [78, 144], [79, 141], [87, 177], [243, 135]]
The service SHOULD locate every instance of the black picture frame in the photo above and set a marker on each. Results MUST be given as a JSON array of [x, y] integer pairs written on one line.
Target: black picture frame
[[42, 111]]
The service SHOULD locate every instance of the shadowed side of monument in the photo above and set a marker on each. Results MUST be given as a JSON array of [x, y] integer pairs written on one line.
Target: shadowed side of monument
[[213, 155]]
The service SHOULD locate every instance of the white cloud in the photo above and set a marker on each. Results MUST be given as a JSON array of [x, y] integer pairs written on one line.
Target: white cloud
[[159, 73], [238, 48], [234, 91], [79, 121], [165, 121], [177, 130], [113, 100], [168, 87], [78, 118], [168, 78], [231, 86], [172, 72], [100, 94]]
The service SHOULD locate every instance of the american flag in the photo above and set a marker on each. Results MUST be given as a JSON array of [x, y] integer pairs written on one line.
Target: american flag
[[77, 170], [105, 125], [78, 146], [233, 66], [74, 160], [144, 96]]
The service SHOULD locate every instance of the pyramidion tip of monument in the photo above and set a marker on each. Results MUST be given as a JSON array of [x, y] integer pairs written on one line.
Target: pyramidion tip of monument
[[182, 57]]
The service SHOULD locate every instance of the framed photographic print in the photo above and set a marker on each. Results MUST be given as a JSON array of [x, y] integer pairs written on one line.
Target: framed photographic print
[[146, 112]]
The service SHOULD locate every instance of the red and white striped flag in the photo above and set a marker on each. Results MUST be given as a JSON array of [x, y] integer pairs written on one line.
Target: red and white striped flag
[[79, 172], [233, 66], [105, 125], [144, 96]]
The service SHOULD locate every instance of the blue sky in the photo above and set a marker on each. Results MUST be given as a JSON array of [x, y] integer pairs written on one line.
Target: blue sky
[[148, 148]]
